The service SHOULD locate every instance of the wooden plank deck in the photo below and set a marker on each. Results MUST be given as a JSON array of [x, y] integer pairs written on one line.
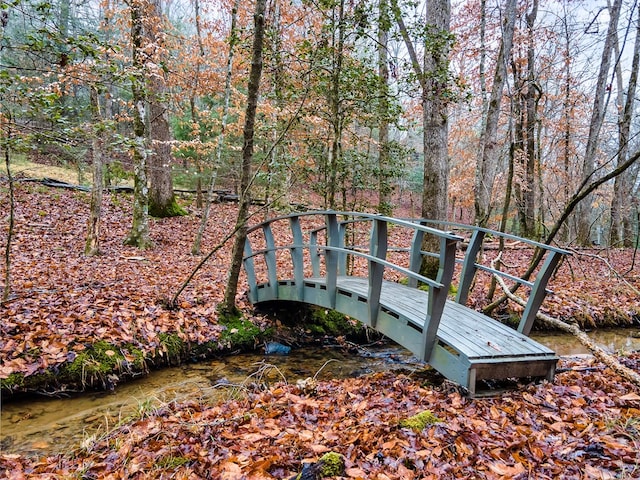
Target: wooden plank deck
[[470, 346]]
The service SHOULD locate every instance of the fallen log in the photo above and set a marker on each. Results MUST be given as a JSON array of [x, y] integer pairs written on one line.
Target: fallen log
[[599, 353]]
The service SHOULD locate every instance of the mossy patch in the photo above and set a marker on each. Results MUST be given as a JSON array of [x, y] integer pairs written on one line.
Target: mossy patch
[[172, 347], [330, 465], [240, 333], [419, 421], [323, 321], [172, 210]]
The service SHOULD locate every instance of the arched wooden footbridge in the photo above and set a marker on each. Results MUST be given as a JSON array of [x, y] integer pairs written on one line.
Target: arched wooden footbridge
[[366, 266]]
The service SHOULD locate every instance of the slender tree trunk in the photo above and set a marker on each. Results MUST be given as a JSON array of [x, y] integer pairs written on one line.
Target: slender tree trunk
[[567, 115], [233, 39], [583, 210], [488, 148], [384, 188], [335, 154], [528, 215], [229, 304], [12, 206], [92, 243], [621, 201], [139, 234]]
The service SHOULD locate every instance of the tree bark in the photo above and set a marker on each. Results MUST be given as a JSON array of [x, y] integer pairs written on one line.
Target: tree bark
[[435, 115], [621, 202], [583, 210], [488, 148], [162, 202], [528, 215], [433, 77], [229, 304], [335, 152], [384, 189], [139, 234], [92, 243]]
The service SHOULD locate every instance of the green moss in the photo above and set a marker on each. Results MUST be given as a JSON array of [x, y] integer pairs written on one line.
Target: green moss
[[330, 322], [173, 209], [94, 363], [172, 462], [172, 347], [240, 333], [419, 421], [12, 382], [332, 465]]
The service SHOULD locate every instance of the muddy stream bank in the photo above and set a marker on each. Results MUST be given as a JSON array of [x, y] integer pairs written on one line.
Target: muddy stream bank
[[42, 426]]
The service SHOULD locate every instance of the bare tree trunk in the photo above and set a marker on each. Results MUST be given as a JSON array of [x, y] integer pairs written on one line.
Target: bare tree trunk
[[195, 249], [435, 115], [92, 243], [528, 215], [162, 202], [335, 153], [12, 206], [139, 234], [621, 201], [384, 189], [583, 210], [488, 148], [229, 304]]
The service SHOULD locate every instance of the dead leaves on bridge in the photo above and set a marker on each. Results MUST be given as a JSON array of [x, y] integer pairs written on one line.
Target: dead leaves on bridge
[[584, 425]]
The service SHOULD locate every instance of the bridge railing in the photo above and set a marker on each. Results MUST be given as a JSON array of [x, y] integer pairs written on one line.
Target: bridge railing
[[338, 247], [471, 264], [329, 244]]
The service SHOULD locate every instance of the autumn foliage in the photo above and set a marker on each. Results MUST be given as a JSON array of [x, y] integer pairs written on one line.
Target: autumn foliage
[[584, 425]]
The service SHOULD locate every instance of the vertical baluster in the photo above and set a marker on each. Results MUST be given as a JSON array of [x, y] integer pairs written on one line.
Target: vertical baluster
[[377, 248], [270, 260], [342, 256], [415, 256], [438, 296], [469, 266], [297, 257], [314, 253], [538, 292], [250, 270], [331, 257]]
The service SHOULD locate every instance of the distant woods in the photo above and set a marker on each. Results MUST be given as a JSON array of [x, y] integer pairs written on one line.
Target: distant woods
[[512, 114]]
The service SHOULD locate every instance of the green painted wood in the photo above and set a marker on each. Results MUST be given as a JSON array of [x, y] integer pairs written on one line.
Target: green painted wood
[[378, 249], [464, 345]]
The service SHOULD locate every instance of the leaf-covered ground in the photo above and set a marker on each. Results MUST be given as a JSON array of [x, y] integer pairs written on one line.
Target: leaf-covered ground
[[63, 301], [586, 425]]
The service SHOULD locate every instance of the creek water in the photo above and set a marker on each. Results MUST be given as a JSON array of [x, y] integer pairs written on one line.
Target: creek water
[[43, 426]]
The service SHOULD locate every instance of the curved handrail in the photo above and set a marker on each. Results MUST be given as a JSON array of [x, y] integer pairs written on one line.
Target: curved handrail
[[335, 254]]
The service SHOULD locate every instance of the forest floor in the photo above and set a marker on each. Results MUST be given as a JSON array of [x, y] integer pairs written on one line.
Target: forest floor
[[68, 311]]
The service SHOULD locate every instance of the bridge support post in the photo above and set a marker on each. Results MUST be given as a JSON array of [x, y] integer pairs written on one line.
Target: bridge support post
[[438, 295], [331, 257], [270, 259], [378, 249], [538, 292], [469, 266], [297, 257]]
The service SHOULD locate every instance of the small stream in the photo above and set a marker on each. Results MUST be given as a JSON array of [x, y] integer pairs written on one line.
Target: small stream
[[42, 426]]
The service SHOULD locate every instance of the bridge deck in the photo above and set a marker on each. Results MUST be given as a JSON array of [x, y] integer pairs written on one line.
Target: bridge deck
[[309, 263], [470, 346]]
